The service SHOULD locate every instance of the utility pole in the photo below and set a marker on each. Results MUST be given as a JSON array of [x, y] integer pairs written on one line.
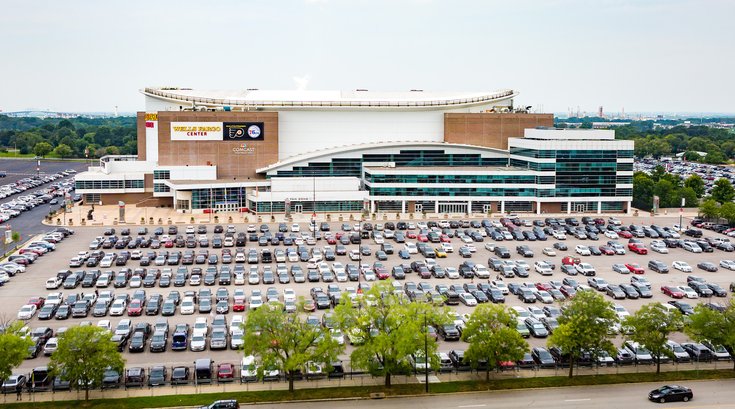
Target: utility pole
[[426, 355]]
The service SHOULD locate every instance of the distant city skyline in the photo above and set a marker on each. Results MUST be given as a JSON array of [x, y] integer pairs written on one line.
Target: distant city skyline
[[651, 56]]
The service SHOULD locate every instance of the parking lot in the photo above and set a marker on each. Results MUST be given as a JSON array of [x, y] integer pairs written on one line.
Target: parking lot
[[30, 284]]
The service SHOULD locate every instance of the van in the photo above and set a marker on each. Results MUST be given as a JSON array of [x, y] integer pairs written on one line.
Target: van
[[203, 369], [40, 379], [658, 266], [445, 364], [248, 371]]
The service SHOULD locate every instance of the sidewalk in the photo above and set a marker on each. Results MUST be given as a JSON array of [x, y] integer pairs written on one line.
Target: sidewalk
[[149, 216]]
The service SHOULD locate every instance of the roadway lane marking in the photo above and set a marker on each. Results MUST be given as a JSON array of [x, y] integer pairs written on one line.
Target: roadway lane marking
[[577, 400], [472, 406]]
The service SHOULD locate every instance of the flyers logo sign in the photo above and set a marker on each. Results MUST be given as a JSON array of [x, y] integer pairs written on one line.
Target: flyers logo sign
[[243, 131]]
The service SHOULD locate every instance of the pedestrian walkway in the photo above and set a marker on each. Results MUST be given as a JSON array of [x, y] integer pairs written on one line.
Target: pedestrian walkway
[[109, 215]]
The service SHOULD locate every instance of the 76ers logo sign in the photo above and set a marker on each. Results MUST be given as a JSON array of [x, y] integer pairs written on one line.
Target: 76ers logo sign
[[242, 131], [254, 131]]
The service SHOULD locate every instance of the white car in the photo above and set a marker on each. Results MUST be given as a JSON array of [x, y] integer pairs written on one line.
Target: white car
[[256, 301], [27, 312], [691, 247], [447, 247], [549, 251], [611, 234], [236, 322], [621, 312], [468, 299], [54, 299], [481, 271], [118, 308], [582, 250], [727, 264], [239, 279], [585, 269], [198, 342], [411, 248], [559, 235], [53, 283], [378, 238], [355, 255], [135, 282], [542, 268], [187, 306], [544, 297], [452, 273], [337, 336], [295, 228], [289, 294], [682, 266], [660, 248], [500, 285], [688, 292]]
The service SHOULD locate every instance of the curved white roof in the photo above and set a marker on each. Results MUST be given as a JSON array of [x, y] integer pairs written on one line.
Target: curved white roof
[[305, 158], [359, 98]]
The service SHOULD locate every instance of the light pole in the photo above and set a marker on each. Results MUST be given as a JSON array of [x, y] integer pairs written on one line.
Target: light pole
[[426, 355], [681, 213]]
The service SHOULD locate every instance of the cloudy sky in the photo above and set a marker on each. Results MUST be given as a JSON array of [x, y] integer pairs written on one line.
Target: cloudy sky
[[644, 55]]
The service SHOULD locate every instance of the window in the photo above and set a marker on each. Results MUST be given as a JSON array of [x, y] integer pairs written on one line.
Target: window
[[134, 184], [160, 187], [161, 174]]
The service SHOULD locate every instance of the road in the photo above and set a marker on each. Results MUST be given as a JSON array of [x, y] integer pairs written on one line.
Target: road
[[707, 394], [29, 222]]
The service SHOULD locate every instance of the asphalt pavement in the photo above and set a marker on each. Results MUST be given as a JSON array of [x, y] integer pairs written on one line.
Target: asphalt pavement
[[707, 394]]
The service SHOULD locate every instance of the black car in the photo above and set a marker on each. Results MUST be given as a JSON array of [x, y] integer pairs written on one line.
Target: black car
[[543, 358], [137, 342], [157, 376], [670, 393], [180, 375], [448, 332], [707, 266], [111, 379]]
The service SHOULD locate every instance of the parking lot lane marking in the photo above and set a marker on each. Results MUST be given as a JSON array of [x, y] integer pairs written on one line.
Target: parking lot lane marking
[[577, 400], [473, 406]]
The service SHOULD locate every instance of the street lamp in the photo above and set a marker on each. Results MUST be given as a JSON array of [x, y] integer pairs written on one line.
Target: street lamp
[[426, 354]]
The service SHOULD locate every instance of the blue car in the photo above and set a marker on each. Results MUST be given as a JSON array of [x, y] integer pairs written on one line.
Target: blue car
[[404, 254]]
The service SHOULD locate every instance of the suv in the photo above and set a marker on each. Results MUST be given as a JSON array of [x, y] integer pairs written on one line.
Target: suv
[[658, 266], [222, 404]]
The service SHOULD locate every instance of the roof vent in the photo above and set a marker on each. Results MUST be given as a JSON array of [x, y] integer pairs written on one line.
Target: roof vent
[[361, 89], [252, 89], [417, 90]]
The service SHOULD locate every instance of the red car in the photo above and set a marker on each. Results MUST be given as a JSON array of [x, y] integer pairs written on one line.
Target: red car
[[543, 286], [625, 234], [381, 273], [338, 235], [331, 240], [238, 305], [637, 248], [37, 301], [225, 372], [570, 261], [422, 238], [168, 244], [30, 250], [411, 234], [635, 268], [568, 291], [445, 239], [671, 291], [135, 308], [607, 250]]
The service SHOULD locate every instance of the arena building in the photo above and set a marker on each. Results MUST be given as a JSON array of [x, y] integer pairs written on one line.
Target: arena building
[[329, 151]]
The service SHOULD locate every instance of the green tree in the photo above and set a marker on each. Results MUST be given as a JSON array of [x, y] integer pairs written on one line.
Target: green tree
[[652, 324], [584, 326], [492, 337], [697, 183], [727, 212], [63, 151], [388, 329], [709, 209], [286, 341], [717, 327], [83, 355], [723, 191], [692, 156], [664, 189], [13, 348], [715, 157], [690, 197], [42, 149], [643, 187]]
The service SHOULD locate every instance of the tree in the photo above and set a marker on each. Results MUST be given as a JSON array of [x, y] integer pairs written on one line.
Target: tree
[[715, 157], [652, 324], [723, 191], [42, 149], [287, 341], [643, 187], [664, 189], [13, 348], [709, 209], [692, 156], [689, 196], [387, 330], [83, 355], [717, 327], [697, 183], [583, 326], [492, 337], [63, 151], [727, 212]]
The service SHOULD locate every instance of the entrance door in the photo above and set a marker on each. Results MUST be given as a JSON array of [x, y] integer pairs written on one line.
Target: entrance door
[[419, 207], [453, 208], [298, 208], [487, 208], [226, 207], [580, 207]]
